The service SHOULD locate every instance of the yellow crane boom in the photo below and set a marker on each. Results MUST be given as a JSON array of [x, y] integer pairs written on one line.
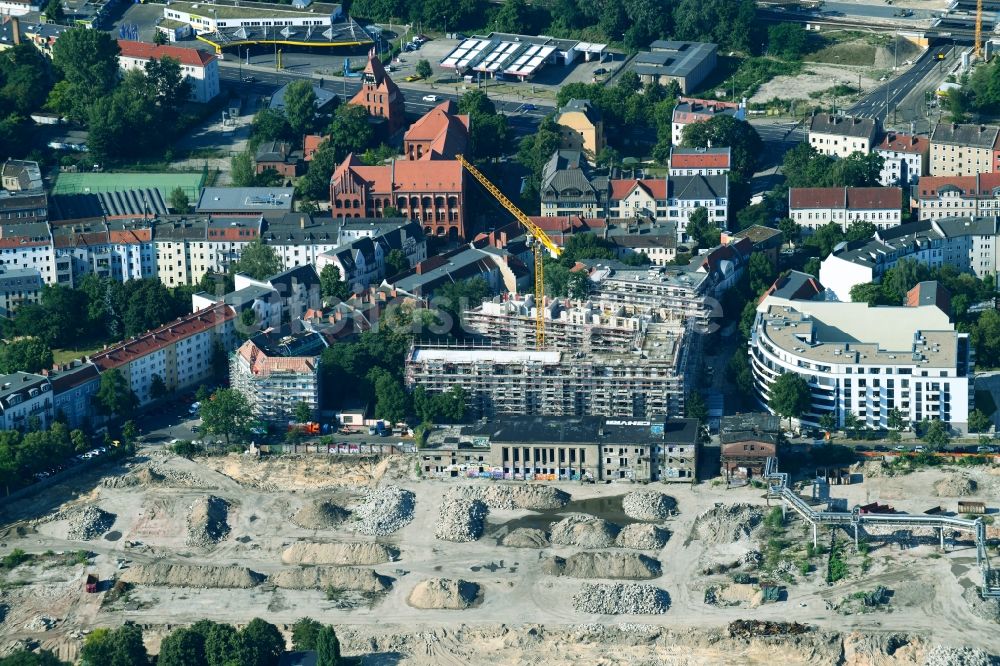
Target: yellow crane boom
[[979, 28], [542, 243]]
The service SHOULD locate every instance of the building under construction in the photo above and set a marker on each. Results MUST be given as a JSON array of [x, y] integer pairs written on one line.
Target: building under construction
[[595, 363]]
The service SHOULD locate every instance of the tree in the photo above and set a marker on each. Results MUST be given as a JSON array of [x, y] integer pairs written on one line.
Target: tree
[[396, 262], [179, 201], [608, 157], [513, 17], [260, 644], [130, 432], [534, 151], [979, 421], [894, 419], [744, 142], [825, 238], [26, 658], [327, 647], [115, 647], [25, 355], [182, 647], [160, 38], [315, 183], [828, 422], [79, 441], [790, 229], [350, 131], [114, 397], [695, 408], [790, 396], [257, 260], [25, 80], [761, 272], [787, 40], [304, 634], [303, 413], [377, 156], [88, 60], [221, 642], [936, 435], [985, 336], [730, 23], [300, 107], [173, 90], [157, 387], [578, 286], [390, 399], [54, 12], [700, 230], [851, 423], [331, 285], [423, 69], [270, 125], [241, 169], [227, 412]]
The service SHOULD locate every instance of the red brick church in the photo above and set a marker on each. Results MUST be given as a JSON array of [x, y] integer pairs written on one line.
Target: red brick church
[[381, 97]]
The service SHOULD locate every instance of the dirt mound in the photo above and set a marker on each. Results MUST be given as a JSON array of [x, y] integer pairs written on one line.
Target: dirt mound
[[384, 511], [144, 476], [184, 575], [648, 505], [320, 515], [513, 496], [642, 536], [338, 578], [605, 564], [727, 523], [444, 593], [89, 523], [525, 537], [988, 609], [584, 531], [207, 524], [461, 520], [338, 554], [621, 598], [955, 485], [298, 472]]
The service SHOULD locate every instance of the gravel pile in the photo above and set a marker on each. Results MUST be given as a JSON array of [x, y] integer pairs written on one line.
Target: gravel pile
[[89, 523], [955, 485], [384, 511], [988, 609], [584, 531], [208, 523], [461, 520], [513, 496], [185, 575], [642, 536], [648, 505], [444, 593], [525, 537], [603, 564], [143, 476], [324, 578], [727, 523], [621, 599], [946, 656], [339, 554], [320, 514]]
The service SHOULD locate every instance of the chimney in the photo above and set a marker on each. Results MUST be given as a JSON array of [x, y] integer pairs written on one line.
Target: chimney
[[302, 222]]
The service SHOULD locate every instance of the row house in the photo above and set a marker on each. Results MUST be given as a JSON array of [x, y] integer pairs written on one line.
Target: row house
[[28, 247], [362, 261], [22, 207], [952, 196], [431, 193], [73, 387], [19, 287], [700, 161], [689, 111], [964, 150], [905, 158], [813, 207], [117, 250], [840, 136], [298, 239]]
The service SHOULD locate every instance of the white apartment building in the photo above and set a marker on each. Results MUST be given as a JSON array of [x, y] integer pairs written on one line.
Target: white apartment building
[[840, 136], [953, 196], [276, 373], [699, 161], [964, 150], [864, 360], [905, 158], [813, 207], [362, 260], [117, 250], [200, 68], [23, 396], [28, 247]]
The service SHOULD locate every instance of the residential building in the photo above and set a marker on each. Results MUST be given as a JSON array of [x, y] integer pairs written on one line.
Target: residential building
[[560, 228], [569, 188], [24, 397], [311, 144], [21, 207], [19, 287], [19, 7], [174, 241], [440, 134], [73, 388], [21, 176], [690, 110], [431, 193], [277, 372], [765, 240], [183, 353], [28, 246], [249, 201], [381, 97], [906, 158], [361, 262], [199, 68], [581, 127], [958, 196], [796, 286], [299, 239], [656, 240], [699, 161], [687, 63], [840, 136], [964, 150], [298, 289], [119, 250], [280, 157], [813, 207], [567, 448], [501, 268], [638, 199], [864, 360], [746, 442], [263, 300]]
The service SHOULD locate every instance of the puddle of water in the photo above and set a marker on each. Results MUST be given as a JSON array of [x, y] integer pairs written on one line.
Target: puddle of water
[[608, 508], [114, 535]]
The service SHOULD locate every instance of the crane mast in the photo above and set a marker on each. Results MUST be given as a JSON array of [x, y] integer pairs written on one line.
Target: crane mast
[[979, 28]]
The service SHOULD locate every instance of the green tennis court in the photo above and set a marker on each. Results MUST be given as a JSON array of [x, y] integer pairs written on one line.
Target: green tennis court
[[81, 183]]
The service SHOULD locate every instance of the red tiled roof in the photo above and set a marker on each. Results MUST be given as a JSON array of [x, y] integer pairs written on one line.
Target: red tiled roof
[[262, 364], [869, 198], [655, 187], [904, 143], [852, 198], [143, 51], [447, 131], [700, 160], [403, 176], [128, 236], [979, 185], [311, 144], [159, 338]]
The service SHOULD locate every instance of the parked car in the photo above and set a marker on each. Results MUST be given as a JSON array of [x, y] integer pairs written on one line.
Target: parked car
[[600, 70], [918, 448], [985, 449], [529, 107], [249, 79], [430, 98], [899, 447]]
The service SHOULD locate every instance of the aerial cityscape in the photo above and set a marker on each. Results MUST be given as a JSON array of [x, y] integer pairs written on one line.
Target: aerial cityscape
[[421, 332]]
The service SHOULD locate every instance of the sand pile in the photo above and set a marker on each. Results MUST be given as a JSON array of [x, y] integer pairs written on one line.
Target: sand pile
[[89, 523], [338, 554], [727, 523], [642, 536], [621, 598], [955, 485], [320, 515], [583, 531], [207, 524], [525, 537], [384, 511], [605, 564], [185, 575], [648, 505], [512, 496], [940, 655], [444, 593], [461, 520], [338, 578]]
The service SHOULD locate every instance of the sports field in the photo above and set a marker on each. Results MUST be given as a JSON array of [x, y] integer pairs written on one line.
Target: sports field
[[77, 183]]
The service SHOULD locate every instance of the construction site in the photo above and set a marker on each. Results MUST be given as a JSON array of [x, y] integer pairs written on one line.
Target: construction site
[[554, 573]]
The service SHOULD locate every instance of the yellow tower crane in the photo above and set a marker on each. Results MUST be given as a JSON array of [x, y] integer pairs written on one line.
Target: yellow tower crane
[[542, 243], [979, 28]]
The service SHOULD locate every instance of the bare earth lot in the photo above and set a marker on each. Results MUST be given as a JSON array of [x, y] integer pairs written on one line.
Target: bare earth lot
[[233, 538]]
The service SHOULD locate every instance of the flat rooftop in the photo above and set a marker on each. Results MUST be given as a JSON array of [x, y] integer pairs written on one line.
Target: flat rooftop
[[253, 10], [442, 355]]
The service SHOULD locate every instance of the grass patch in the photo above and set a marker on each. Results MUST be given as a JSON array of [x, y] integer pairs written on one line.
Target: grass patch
[[14, 559], [754, 72], [836, 565], [846, 48], [68, 355], [839, 90]]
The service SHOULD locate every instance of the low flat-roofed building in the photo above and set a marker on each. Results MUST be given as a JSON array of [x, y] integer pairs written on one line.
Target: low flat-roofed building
[[687, 63], [235, 201]]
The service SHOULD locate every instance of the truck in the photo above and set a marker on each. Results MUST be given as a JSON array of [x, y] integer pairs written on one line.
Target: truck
[[90, 585]]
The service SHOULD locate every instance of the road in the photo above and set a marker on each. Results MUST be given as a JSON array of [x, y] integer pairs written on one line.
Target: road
[[880, 101]]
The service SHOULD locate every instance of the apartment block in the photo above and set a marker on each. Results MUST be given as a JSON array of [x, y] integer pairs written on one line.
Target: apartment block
[[361, 261], [581, 127], [958, 196], [73, 387], [699, 161], [814, 207], [839, 136], [19, 287], [199, 68], [569, 187], [964, 150], [690, 110], [906, 157], [277, 371], [23, 397]]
